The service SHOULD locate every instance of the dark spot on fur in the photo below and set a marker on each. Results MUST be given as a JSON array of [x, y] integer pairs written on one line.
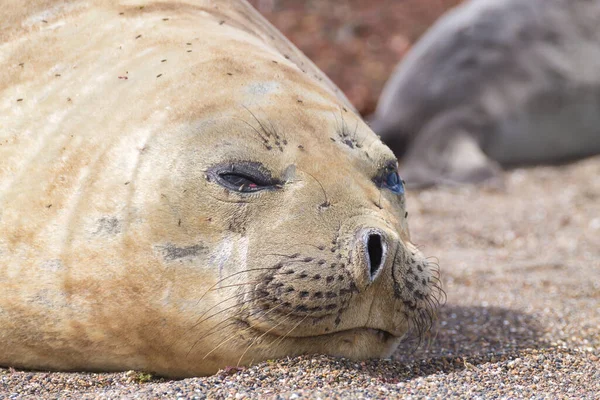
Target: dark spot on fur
[[330, 295], [409, 285], [321, 262], [308, 259], [349, 143], [303, 275], [171, 252], [317, 277], [330, 307], [303, 294], [420, 268], [318, 295], [289, 289], [330, 279], [108, 225], [301, 308]]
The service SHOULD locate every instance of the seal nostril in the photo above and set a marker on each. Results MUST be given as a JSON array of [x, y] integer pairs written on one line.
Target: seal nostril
[[375, 252]]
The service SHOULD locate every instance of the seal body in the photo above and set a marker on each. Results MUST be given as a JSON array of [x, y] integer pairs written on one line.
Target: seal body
[[495, 84], [182, 190]]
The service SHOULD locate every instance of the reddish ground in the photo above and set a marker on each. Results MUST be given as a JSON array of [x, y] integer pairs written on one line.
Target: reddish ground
[[356, 43]]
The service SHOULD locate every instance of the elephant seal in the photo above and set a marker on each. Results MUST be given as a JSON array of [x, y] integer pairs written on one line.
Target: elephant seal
[[181, 190], [495, 84]]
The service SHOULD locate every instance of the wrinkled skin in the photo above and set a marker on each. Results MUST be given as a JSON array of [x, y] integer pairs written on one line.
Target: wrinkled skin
[[182, 190]]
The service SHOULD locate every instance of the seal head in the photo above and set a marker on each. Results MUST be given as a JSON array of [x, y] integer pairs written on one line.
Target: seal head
[[183, 190]]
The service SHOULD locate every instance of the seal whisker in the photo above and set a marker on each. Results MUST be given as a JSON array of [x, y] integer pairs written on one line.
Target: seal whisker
[[238, 333], [234, 285], [282, 338], [264, 141], [232, 275], [285, 318], [214, 329], [223, 301], [237, 305], [326, 203], [294, 255], [268, 134]]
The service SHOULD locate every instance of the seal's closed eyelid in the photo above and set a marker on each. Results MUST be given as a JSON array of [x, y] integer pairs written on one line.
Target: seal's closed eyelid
[[243, 176]]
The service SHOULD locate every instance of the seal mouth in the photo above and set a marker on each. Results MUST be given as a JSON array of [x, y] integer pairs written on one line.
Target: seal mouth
[[379, 334]]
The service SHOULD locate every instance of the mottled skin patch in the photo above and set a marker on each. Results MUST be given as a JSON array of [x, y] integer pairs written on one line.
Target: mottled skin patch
[[146, 260]]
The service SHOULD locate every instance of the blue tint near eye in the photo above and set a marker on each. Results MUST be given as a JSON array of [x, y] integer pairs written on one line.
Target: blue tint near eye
[[393, 182]]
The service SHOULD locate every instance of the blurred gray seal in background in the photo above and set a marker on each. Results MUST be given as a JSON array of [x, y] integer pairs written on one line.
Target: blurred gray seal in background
[[495, 84]]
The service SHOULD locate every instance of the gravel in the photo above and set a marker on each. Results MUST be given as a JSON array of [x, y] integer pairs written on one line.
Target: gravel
[[521, 268]]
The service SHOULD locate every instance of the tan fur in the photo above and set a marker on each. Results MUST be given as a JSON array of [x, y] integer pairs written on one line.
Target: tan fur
[[117, 249]]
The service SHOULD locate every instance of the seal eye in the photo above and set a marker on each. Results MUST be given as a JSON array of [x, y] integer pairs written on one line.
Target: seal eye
[[239, 182], [243, 177], [389, 179]]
